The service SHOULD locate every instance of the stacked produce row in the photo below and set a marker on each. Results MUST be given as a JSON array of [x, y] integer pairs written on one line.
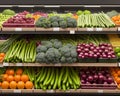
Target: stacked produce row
[[64, 78], [80, 19]]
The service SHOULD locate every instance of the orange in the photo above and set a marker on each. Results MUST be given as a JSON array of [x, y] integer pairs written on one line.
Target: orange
[[5, 85], [118, 80], [5, 76], [2, 54], [115, 75], [28, 85], [20, 85], [10, 78], [7, 71], [19, 71], [11, 72], [13, 85], [0, 84], [118, 72], [17, 78], [24, 78]]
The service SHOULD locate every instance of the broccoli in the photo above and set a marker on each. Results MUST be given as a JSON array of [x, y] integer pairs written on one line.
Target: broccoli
[[61, 19], [63, 24], [40, 57], [57, 44], [48, 44], [69, 60], [41, 48], [71, 22], [55, 24], [73, 54], [54, 40], [54, 19], [63, 60]]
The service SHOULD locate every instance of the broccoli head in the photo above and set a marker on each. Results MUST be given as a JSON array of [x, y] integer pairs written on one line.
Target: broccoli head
[[48, 44], [71, 22], [57, 44], [55, 24], [63, 24], [41, 48], [63, 59], [40, 57], [54, 19]]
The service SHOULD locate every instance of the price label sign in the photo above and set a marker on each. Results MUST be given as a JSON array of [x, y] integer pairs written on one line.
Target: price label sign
[[50, 91], [99, 29], [90, 29], [56, 29], [72, 31], [5, 64], [100, 91], [17, 91], [19, 64], [18, 29]]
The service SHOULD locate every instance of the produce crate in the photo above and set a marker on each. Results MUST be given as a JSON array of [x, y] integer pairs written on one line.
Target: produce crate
[[87, 60], [17, 25], [106, 60], [98, 86]]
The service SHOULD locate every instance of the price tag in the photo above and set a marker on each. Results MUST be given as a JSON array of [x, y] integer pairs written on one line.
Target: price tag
[[5, 64], [90, 29], [57, 65], [19, 64], [1, 65], [56, 29], [18, 29], [67, 91], [72, 31], [17, 91], [99, 29], [100, 91], [118, 28], [50, 91], [119, 64]]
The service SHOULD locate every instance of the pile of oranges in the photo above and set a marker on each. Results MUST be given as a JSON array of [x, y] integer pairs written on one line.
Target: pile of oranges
[[2, 55], [116, 74], [15, 79]]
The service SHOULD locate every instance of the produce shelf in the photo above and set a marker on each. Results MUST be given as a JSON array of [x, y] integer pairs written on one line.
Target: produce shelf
[[58, 91], [61, 65]]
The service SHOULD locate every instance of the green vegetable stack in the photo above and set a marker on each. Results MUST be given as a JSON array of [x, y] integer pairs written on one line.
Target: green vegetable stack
[[53, 51], [57, 78], [21, 51], [56, 21], [117, 51]]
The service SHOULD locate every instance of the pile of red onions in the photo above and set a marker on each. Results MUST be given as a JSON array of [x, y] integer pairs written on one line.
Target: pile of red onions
[[95, 76], [103, 50]]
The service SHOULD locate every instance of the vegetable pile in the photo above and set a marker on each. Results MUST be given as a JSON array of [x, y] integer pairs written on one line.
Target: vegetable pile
[[95, 20], [96, 76], [56, 21], [57, 78], [21, 51], [53, 51]]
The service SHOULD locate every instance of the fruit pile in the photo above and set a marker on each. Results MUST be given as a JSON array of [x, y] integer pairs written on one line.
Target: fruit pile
[[117, 51], [21, 51], [103, 50], [116, 74], [94, 20], [19, 20], [57, 78], [15, 79], [96, 76], [116, 19], [2, 56]]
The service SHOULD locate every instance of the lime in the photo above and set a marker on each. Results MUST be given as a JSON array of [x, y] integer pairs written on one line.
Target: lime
[[118, 54], [117, 49]]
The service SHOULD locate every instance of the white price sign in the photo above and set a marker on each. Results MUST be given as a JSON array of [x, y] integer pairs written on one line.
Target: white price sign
[[56, 29], [72, 31], [5, 64], [118, 28], [19, 64], [18, 29], [100, 91], [50, 91], [119, 64], [17, 91], [99, 29], [90, 29]]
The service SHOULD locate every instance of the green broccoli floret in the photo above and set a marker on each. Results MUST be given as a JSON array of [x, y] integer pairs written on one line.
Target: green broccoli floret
[[53, 55], [54, 40], [61, 19], [69, 45], [54, 19], [57, 44], [69, 60], [40, 57], [63, 60], [48, 44], [41, 48], [71, 22], [73, 54], [42, 19], [55, 24], [63, 24]]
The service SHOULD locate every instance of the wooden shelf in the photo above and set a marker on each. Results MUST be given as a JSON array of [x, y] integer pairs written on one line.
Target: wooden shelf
[[61, 65], [59, 91]]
